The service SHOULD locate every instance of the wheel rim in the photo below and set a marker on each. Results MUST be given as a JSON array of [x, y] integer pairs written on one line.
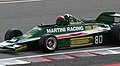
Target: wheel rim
[[51, 43]]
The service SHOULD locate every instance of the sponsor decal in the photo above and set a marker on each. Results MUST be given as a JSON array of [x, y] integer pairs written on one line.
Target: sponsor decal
[[75, 28], [55, 30], [88, 27], [65, 29], [22, 47], [75, 22], [28, 35], [81, 41], [94, 27]]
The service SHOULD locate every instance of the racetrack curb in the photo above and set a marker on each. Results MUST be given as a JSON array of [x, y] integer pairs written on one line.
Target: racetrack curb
[[16, 1], [27, 60], [7, 0]]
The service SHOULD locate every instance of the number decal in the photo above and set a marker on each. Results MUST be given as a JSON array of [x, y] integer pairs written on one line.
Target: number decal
[[96, 39], [99, 39]]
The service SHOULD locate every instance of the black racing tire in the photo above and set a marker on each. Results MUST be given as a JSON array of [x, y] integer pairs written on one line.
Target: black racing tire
[[12, 33], [115, 35], [48, 43]]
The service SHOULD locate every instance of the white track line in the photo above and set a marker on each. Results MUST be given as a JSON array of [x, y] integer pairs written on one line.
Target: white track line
[[62, 53], [20, 1]]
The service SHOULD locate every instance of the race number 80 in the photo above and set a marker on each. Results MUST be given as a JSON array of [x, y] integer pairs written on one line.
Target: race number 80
[[98, 39]]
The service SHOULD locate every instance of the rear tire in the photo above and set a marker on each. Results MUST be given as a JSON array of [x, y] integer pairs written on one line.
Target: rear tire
[[115, 35], [48, 43], [12, 33]]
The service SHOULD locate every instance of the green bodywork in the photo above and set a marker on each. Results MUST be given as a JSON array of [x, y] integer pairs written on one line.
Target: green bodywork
[[72, 35]]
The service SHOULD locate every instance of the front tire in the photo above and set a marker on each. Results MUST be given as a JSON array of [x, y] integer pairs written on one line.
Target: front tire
[[12, 33], [48, 43], [115, 35]]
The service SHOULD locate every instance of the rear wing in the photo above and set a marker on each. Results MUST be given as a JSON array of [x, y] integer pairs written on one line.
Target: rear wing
[[108, 17]]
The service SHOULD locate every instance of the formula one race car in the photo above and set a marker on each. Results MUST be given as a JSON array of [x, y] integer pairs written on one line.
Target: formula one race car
[[75, 33]]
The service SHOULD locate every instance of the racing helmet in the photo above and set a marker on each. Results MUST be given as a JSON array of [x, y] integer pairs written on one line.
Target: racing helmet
[[67, 16], [60, 21]]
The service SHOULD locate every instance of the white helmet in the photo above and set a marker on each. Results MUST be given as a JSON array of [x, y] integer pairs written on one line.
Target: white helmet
[[67, 16]]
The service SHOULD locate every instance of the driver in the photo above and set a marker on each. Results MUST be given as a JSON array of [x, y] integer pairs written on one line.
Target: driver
[[69, 19]]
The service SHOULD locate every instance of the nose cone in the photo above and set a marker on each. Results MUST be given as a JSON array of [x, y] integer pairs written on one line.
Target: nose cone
[[5, 44]]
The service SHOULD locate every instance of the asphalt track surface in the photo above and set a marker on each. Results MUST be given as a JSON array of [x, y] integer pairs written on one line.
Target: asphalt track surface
[[29, 14]]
